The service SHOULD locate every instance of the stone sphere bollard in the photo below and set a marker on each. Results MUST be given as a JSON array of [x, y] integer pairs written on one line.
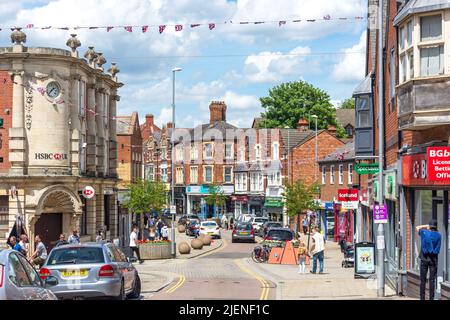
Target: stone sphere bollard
[[206, 240], [181, 228], [197, 244], [184, 248], [201, 236]]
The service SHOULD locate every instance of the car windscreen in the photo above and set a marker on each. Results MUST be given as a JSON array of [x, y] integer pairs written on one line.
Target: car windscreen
[[273, 225], [79, 255], [280, 234], [244, 226], [209, 224], [260, 220]]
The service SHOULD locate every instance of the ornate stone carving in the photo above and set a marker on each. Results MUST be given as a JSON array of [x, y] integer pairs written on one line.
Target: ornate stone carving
[[113, 69], [28, 107], [73, 43], [116, 97], [91, 55], [100, 61], [18, 36]]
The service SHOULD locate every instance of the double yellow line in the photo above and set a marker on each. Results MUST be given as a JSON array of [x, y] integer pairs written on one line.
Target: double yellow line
[[180, 282], [264, 283]]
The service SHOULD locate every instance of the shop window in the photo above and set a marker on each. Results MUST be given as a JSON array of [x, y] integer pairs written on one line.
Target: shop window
[[4, 210]]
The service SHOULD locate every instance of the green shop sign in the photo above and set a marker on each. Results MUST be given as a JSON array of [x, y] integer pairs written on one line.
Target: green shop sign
[[273, 202], [367, 168]]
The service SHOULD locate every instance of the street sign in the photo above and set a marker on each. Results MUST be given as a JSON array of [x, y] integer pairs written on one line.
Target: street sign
[[173, 209], [367, 168], [380, 214], [438, 163], [88, 192], [346, 195]]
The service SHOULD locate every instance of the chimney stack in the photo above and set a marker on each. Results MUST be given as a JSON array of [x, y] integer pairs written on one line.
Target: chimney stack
[[217, 111], [303, 125], [149, 120], [169, 125], [332, 130]]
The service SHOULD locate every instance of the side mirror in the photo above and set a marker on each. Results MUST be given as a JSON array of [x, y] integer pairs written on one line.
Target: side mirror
[[51, 281]]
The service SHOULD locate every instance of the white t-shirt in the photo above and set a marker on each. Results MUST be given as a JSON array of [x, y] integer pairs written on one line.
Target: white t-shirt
[[165, 232], [133, 238], [319, 243]]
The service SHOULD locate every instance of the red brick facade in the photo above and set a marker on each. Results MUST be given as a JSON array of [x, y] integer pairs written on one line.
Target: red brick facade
[[6, 103]]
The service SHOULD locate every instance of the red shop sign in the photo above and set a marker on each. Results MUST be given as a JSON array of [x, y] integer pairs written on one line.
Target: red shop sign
[[345, 195], [438, 163], [415, 171]]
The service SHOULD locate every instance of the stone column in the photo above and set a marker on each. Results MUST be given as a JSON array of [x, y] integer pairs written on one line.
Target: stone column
[[100, 130], [92, 216], [113, 216], [91, 132], [100, 219], [113, 134], [75, 124], [17, 143]]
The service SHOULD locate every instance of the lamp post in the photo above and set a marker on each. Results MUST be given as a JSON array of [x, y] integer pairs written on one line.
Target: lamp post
[[172, 200], [286, 217]]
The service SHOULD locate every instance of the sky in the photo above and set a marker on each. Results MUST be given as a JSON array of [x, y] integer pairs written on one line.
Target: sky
[[235, 63]]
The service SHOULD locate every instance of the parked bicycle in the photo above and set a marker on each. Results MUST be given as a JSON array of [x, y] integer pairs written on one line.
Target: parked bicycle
[[261, 254]]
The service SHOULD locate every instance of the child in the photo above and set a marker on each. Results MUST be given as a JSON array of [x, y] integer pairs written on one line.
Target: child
[[302, 253]]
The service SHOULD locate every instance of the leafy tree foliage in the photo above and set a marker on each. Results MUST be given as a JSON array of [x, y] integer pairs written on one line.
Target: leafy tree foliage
[[216, 197], [347, 104]]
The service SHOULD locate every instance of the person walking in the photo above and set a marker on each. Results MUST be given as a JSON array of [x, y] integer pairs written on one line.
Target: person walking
[[99, 237], [302, 254], [305, 225], [133, 246], [14, 244], [40, 254], [62, 240], [24, 244], [159, 226], [74, 238], [318, 251], [224, 221], [429, 252], [165, 232]]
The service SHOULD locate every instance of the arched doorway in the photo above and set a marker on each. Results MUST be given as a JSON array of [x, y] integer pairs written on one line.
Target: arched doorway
[[58, 212]]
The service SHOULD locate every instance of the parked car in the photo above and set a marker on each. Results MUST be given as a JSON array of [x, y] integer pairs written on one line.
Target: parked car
[[210, 228], [267, 225], [257, 222], [193, 227], [20, 281], [243, 232], [279, 234], [91, 270]]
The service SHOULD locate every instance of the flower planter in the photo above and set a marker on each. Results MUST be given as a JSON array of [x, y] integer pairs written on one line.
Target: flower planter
[[154, 251]]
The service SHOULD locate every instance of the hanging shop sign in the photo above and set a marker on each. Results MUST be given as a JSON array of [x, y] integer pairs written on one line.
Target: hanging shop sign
[[380, 214], [273, 202], [346, 195], [367, 168], [364, 259], [350, 205], [390, 185], [88, 192], [438, 163]]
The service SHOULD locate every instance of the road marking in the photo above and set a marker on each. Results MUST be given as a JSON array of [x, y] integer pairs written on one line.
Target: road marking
[[264, 283], [180, 282]]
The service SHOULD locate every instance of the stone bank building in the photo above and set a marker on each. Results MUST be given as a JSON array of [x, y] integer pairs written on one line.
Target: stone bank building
[[57, 136]]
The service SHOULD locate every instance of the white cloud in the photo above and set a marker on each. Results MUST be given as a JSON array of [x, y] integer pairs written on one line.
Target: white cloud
[[352, 66], [273, 66], [164, 117], [240, 102]]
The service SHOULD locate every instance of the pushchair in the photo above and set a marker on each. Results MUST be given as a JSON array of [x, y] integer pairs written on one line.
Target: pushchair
[[349, 255]]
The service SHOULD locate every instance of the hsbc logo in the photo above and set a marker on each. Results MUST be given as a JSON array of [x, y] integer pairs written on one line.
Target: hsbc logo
[[50, 156], [420, 169]]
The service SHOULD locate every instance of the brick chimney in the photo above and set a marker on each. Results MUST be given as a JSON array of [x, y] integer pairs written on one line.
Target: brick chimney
[[303, 125], [149, 120], [169, 125], [217, 111], [332, 129]]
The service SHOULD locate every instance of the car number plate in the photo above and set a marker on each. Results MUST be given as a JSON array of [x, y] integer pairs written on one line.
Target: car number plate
[[74, 273], [244, 233]]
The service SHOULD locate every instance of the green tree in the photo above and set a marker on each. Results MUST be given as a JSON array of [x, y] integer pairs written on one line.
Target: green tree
[[216, 197], [145, 196], [287, 103], [299, 198], [347, 104]]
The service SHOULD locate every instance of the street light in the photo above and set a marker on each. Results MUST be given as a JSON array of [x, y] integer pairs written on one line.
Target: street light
[[289, 168], [172, 200]]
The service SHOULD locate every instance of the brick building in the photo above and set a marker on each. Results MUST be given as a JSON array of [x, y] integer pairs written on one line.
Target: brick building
[[52, 146]]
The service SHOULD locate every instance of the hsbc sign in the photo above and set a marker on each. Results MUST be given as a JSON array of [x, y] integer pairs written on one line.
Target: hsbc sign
[[88, 192], [50, 156]]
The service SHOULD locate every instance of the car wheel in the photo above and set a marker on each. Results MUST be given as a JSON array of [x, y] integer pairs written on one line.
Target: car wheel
[[121, 295], [137, 289]]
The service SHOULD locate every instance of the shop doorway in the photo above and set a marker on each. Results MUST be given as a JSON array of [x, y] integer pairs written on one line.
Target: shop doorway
[[440, 215], [49, 227]]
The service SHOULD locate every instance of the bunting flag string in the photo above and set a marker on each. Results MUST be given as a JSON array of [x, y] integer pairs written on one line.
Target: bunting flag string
[[180, 27]]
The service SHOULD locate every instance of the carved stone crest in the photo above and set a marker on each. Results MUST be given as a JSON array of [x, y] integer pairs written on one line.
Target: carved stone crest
[[18, 36]]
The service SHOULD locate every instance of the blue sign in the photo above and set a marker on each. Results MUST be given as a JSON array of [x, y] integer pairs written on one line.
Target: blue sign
[[328, 205]]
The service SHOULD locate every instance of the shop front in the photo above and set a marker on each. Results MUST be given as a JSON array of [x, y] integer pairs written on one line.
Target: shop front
[[240, 204], [180, 200], [326, 216], [427, 196], [196, 203], [273, 207], [256, 204]]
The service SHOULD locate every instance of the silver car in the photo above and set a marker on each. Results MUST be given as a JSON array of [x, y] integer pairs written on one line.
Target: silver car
[[92, 270], [20, 281]]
